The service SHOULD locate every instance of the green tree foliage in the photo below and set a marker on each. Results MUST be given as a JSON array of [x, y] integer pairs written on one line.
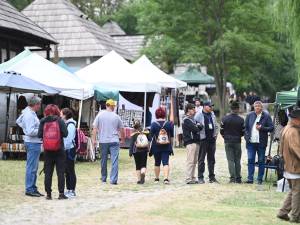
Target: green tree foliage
[[235, 38], [287, 20], [20, 4]]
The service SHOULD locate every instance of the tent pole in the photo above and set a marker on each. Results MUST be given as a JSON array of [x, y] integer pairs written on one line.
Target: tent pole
[[7, 115], [145, 107], [80, 113]]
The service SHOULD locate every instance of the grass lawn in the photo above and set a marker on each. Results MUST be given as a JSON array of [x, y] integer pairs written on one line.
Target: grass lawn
[[128, 203]]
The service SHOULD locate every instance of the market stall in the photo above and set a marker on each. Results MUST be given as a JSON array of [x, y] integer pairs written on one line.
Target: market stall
[[11, 82], [113, 72]]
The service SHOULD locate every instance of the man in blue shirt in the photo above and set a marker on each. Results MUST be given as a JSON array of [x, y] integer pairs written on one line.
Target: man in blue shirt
[[29, 122]]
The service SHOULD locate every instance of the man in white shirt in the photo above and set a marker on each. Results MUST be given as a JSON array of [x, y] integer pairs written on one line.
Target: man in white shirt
[[257, 126]]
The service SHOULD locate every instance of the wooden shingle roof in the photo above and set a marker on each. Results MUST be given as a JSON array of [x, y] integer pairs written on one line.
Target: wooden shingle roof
[[13, 21], [112, 28], [78, 36], [132, 43]]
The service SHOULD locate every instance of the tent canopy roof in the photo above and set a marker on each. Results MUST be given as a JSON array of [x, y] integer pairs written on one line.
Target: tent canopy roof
[[113, 71], [194, 76], [41, 70], [70, 69], [165, 80]]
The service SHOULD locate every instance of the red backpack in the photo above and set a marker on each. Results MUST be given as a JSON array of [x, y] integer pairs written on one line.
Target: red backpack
[[51, 136]]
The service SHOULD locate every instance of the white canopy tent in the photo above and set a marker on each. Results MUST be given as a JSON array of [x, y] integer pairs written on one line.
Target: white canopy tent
[[44, 71], [165, 80], [113, 71]]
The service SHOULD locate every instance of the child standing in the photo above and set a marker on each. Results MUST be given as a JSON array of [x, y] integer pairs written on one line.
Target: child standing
[[139, 147]]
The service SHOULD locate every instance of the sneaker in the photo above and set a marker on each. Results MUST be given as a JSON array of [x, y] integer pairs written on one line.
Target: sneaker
[[192, 182], [49, 197], [39, 193], [213, 180], [67, 193], [249, 182], [283, 217], [142, 178], [114, 183], [156, 180], [32, 194], [231, 181], [71, 194], [166, 181], [238, 180], [62, 196], [259, 182], [201, 181]]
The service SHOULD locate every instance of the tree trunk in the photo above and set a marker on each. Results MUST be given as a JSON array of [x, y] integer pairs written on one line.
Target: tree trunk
[[221, 93]]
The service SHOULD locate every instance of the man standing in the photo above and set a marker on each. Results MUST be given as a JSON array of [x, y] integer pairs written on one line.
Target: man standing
[[108, 126], [29, 122], [208, 136], [290, 150], [257, 126], [198, 105], [232, 129], [191, 139]]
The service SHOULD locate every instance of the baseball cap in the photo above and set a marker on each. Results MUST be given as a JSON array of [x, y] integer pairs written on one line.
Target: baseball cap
[[295, 114], [208, 103], [110, 102]]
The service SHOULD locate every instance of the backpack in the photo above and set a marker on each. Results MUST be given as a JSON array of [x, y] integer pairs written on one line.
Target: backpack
[[163, 137], [141, 141], [51, 136], [80, 141]]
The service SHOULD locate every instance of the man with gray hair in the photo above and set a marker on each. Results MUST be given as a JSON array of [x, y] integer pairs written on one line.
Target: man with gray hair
[[257, 126], [29, 122]]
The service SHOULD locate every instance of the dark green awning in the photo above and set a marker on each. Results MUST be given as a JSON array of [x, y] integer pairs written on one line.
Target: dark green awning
[[286, 98], [194, 76]]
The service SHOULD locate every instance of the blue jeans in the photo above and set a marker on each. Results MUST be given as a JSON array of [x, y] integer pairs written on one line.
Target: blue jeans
[[252, 149], [113, 149], [32, 164]]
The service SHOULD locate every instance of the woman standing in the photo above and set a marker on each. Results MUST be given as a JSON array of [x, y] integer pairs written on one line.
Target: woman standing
[[139, 146], [52, 130], [70, 147], [162, 133]]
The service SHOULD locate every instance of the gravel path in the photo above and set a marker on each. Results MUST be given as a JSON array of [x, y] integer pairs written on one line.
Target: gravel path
[[99, 198]]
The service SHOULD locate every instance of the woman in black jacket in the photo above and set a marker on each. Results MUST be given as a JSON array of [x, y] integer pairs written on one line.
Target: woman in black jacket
[[52, 130]]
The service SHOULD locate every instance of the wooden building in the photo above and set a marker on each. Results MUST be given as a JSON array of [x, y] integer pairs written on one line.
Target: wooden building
[[17, 31], [81, 41]]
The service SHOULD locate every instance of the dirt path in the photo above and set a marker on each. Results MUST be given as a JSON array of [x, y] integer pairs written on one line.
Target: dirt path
[[94, 197]]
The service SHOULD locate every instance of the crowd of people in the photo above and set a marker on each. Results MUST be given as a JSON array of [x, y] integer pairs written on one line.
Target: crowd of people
[[56, 132]]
